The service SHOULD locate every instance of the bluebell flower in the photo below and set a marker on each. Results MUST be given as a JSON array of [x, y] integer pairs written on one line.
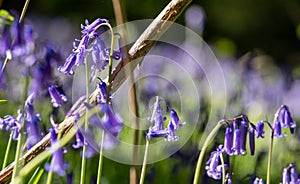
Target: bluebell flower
[[70, 62], [277, 129], [56, 97], [260, 130], [4, 41], [228, 178], [171, 133], [32, 120], [11, 123], [294, 174], [102, 96], [157, 129], [80, 50], [258, 181], [100, 54], [244, 132], [175, 119], [252, 132], [110, 123], [286, 119], [214, 168], [286, 179], [228, 140], [79, 140], [236, 149], [57, 163], [89, 29]]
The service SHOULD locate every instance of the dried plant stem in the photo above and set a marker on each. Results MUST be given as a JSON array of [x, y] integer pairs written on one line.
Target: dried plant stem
[[140, 48], [120, 19]]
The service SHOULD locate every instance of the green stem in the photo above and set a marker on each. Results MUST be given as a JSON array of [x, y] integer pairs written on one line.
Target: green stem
[[107, 100], [83, 160], [100, 160], [202, 152], [49, 178], [7, 150], [223, 168], [270, 157], [20, 139], [143, 173]]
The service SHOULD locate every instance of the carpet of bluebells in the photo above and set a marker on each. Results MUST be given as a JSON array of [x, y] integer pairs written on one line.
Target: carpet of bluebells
[[36, 83]]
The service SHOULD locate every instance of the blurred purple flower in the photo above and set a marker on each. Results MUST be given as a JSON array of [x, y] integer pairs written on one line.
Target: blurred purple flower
[[100, 54], [56, 98], [57, 163], [80, 50], [32, 120], [79, 140], [11, 123], [285, 176], [4, 42]]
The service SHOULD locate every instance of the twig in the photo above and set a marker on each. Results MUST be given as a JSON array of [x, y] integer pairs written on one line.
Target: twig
[[138, 50]]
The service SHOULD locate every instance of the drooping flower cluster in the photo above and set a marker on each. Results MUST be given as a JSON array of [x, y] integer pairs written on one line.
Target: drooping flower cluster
[[214, 166], [290, 175], [158, 130], [236, 138], [11, 123], [90, 42]]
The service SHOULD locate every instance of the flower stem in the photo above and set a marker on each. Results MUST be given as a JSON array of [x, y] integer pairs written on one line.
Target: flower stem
[[107, 101], [7, 150], [87, 89], [223, 168], [143, 173], [204, 147], [50, 176], [20, 138], [270, 157], [100, 160]]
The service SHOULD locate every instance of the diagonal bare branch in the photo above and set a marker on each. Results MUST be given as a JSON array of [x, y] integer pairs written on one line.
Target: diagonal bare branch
[[140, 48]]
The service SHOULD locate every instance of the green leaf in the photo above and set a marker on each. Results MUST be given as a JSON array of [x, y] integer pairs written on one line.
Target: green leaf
[[3, 102], [5, 17], [36, 175]]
